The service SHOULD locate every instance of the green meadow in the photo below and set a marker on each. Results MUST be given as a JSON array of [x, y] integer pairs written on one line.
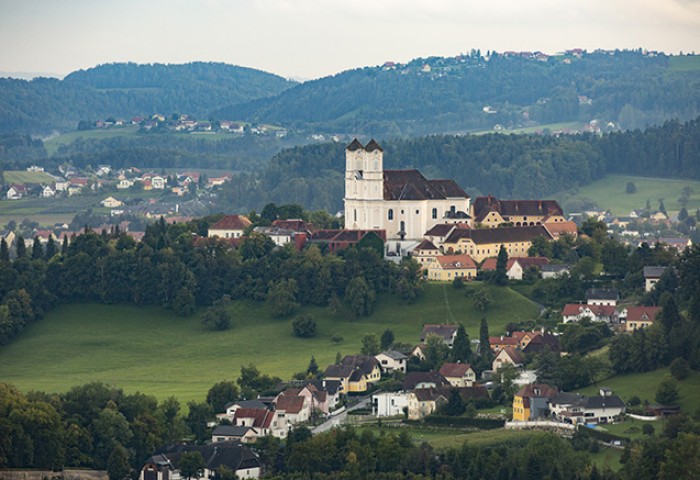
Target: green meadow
[[22, 176], [54, 143], [684, 63], [151, 350], [609, 193]]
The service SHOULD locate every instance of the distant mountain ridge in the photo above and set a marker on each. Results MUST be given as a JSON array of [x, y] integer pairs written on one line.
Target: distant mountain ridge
[[129, 89], [479, 92]]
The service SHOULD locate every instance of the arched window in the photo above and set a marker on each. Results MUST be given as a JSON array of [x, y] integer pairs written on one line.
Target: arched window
[[391, 214], [434, 213], [403, 226], [453, 209]]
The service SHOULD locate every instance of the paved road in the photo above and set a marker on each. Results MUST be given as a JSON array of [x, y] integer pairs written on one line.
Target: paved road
[[341, 418]]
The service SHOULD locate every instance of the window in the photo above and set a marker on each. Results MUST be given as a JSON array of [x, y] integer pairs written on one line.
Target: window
[[403, 226], [355, 214], [417, 212], [391, 214], [453, 209], [434, 213]]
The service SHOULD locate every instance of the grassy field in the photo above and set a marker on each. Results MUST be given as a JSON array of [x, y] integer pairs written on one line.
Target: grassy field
[[644, 386], [686, 63], [609, 193], [22, 176], [443, 438], [153, 351], [52, 144], [536, 129]]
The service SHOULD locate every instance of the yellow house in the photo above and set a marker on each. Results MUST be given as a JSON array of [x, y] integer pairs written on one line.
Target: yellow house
[[448, 267], [481, 244], [532, 402], [355, 373], [425, 253]]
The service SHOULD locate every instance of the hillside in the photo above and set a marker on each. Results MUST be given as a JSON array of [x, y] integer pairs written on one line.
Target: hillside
[[156, 352], [128, 89], [475, 92]]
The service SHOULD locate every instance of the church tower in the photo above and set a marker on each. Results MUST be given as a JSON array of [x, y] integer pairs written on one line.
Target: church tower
[[364, 185]]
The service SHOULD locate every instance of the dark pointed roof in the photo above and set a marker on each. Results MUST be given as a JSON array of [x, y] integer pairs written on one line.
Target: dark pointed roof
[[412, 185], [372, 146], [354, 145]]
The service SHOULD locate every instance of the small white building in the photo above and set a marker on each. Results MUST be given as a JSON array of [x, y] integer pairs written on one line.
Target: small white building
[[389, 404], [391, 360], [48, 192]]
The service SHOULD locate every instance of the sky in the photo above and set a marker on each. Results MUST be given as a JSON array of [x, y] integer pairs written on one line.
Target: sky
[[305, 39]]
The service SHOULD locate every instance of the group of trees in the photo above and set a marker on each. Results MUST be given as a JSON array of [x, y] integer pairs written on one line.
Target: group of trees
[[174, 268]]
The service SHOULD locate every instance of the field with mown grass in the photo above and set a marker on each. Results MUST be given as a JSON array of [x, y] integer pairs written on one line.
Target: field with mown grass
[[442, 438], [151, 350], [609, 193], [23, 176], [685, 63]]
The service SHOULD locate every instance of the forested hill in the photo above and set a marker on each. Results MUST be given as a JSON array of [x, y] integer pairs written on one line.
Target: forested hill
[[126, 90], [509, 166], [632, 89]]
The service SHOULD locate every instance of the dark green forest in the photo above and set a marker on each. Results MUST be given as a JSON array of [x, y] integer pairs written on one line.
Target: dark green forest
[[628, 88], [125, 90], [510, 166]]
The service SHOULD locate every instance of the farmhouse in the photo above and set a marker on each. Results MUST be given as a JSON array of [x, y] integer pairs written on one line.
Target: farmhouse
[[230, 226], [402, 202], [241, 460], [639, 317]]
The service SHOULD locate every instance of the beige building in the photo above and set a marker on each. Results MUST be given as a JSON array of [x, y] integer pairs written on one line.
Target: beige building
[[446, 268], [402, 202], [491, 212], [230, 226], [481, 244]]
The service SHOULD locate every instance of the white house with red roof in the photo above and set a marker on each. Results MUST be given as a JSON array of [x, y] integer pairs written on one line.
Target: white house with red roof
[[637, 318], [575, 312], [458, 374], [230, 226]]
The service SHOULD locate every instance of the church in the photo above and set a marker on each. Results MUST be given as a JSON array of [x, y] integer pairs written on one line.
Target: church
[[402, 202]]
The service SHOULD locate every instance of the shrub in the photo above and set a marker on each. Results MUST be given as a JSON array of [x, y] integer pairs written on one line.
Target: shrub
[[304, 326], [680, 369], [648, 429]]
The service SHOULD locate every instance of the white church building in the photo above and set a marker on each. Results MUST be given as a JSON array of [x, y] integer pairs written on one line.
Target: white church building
[[402, 202]]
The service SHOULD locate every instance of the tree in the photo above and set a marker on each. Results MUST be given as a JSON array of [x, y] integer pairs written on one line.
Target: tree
[[184, 302], [683, 214], [360, 297], [631, 187], [304, 326], [4, 251], [436, 351], [191, 465], [485, 353], [500, 277], [118, 467], [312, 369], [51, 248], [680, 369], [197, 418], [482, 299], [21, 248], [37, 249], [461, 348], [387, 339], [455, 405], [218, 316], [370, 344], [220, 394], [667, 392], [282, 297]]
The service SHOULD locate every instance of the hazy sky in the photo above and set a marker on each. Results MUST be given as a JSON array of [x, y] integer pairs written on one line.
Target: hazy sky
[[314, 38]]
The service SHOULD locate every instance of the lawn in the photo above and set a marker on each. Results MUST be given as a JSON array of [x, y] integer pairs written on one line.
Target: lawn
[[609, 193], [644, 386], [607, 457], [51, 145], [151, 350], [443, 438], [22, 176]]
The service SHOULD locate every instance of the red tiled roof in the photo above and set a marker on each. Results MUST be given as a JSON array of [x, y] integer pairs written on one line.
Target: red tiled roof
[[454, 370], [290, 403], [425, 245], [232, 222], [449, 262], [440, 230], [262, 417], [638, 314], [597, 310], [561, 228], [537, 390], [513, 354]]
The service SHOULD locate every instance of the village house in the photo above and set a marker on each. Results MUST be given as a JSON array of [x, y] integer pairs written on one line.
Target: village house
[[458, 374], [230, 226], [575, 312], [239, 459], [425, 253], [263, 420], [111, 202], [229, 433], [554, 271], [354, 373], [292, 408], [602, 296], [418, 380], [389, 404], [651, 276], [507, 356], [639, 317], [448, 267], [125, 183], [532, 402], [392, 361], [424, 401], [15, 192], [446, 332], [676, 243], [577, 409], [481, 244], [47, 192], [515, 266], [402, 202]]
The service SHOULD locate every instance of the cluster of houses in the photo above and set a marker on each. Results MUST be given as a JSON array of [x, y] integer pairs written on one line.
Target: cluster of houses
[[73, 182], [539, 401], [602, 306]]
